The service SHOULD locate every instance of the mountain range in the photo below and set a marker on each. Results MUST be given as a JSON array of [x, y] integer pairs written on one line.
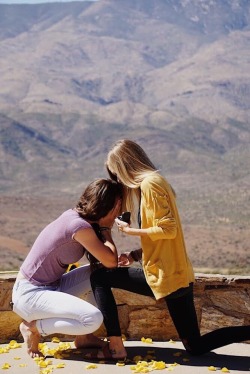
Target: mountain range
[[171, 74]]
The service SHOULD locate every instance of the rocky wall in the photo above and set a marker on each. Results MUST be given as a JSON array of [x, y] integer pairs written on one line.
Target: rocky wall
[[220, 301]]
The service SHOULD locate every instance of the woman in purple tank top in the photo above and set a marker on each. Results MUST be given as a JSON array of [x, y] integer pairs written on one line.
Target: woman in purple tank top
[[51, 300]]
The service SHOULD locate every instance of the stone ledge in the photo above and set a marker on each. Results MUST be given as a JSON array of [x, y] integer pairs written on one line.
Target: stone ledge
[[220, 301]]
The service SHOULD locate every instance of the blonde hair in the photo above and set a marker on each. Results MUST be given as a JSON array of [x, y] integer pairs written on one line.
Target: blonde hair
[[128, 163]]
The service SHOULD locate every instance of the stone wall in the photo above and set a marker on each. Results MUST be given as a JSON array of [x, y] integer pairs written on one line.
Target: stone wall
[[220, 301]]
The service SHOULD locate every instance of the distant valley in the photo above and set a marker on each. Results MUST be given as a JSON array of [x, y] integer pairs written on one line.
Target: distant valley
[[171, 74]]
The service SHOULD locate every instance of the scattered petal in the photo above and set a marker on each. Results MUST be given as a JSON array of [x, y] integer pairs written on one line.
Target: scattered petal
[[4, 350], [46, 371], [13, 344], [6, 366], [211, 368], [159, 365], [120, 363], [91, 366], [60, 366], [171, 341], [137, 358], [225, 370], [55, 339], [146, 340], [36, 359], [177, 354], [146, 367]]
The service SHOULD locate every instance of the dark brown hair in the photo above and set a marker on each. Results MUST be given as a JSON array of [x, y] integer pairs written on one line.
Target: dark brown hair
[[98, 199]]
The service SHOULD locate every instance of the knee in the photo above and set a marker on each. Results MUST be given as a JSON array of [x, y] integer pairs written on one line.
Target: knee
[[98, 318], [94, 320]]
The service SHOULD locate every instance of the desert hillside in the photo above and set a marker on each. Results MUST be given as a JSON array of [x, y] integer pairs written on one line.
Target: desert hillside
[[172, 75]]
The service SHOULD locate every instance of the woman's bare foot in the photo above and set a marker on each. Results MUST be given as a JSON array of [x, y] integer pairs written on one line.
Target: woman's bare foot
[[117, 348], [89, 341], [31, 337]]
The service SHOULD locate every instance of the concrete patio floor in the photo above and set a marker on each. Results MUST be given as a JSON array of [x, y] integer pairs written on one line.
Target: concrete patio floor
[[234, 357]]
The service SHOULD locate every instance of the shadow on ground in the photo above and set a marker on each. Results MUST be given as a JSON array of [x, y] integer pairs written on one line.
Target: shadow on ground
[[169, 356]]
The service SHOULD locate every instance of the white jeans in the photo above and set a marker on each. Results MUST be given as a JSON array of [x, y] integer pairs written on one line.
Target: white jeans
[[59, 310]]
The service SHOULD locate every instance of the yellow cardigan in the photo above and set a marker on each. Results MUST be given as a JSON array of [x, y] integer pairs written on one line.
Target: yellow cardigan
[[164, 258]]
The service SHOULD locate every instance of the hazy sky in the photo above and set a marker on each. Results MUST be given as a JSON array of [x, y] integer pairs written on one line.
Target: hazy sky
[[36, 1]]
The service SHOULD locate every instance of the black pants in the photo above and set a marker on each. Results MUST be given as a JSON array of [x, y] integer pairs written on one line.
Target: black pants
[[180, 305]]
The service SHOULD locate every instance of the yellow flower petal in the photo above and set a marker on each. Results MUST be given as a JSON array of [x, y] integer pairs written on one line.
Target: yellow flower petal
[[211, 368], [36, 359], [42, 364], [55, 339], [60, 366], [137, 358], [46, 371], [58, 356], [171, 341], [159, 365], [6, 366], [177, 354], [174, 364], [91, 366], [4, 350], [13, 344], [146, 340], [120, 363], [225, 370], [142, 363]]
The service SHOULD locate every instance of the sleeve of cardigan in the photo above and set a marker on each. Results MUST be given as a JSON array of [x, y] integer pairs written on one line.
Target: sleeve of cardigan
[[157, 200]]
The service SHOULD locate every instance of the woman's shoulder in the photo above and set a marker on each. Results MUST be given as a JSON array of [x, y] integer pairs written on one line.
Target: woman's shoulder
[[154, 179], [156, 183], [74, 219]]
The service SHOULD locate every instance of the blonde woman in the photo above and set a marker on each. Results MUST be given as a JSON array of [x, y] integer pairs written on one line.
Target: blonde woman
[[167, 272]]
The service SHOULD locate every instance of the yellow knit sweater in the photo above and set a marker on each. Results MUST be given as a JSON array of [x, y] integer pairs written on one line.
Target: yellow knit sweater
[[165, 261]]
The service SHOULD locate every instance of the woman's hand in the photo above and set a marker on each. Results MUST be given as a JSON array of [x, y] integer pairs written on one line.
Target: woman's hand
[[125, 227], [125, 259], [122, 225]]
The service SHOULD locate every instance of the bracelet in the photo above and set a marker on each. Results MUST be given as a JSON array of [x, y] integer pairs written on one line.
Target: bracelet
[[104, 228]]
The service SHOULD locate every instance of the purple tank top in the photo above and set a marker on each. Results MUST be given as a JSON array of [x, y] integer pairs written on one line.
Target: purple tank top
[[54, 249]]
